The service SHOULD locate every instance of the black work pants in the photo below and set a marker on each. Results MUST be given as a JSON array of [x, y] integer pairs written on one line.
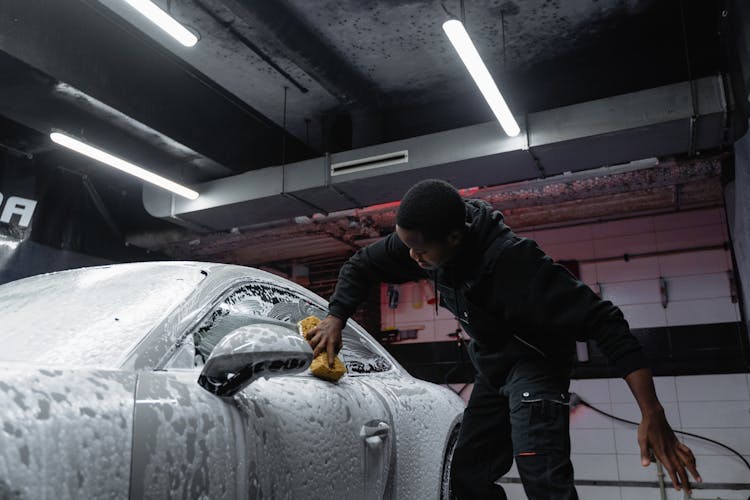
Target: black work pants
[[526, 418]]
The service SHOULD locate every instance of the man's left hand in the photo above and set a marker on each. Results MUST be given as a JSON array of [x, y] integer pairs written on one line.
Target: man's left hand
[[655, 434]]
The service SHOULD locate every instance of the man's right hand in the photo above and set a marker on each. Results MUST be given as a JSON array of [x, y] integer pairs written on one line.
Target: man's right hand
[[327, 337]]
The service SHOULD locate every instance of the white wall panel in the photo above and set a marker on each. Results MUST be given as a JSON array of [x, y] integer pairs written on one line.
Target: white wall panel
[[586, 418], [721, 469], [714, 414], [624, 227], [633, 292], [589, 275], [620, 392], [696, 312], [644, 315], [619, 245], [693, 218], [592, 441], [576, 250], [703, 262], [592, 390], [637, 269], [723, 387], [689, 237], [735, 437], [630, 411], [626, 439], [630, 469], [563, 235], [702, 286], [594, 466]]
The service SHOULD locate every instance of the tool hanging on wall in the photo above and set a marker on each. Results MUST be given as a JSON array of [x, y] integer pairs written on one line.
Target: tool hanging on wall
[[664, 292], [393, 296]]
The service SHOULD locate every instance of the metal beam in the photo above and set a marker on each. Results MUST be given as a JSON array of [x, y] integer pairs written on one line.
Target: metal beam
[[39, 102]]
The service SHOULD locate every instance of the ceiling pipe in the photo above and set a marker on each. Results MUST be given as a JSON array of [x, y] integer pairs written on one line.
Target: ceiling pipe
[[228, 25], [513, 199], [37, 101], [649, 123]]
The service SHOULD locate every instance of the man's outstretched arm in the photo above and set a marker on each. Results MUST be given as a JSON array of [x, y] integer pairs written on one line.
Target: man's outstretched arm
[[558, 302], [655, 434], [387, 261]]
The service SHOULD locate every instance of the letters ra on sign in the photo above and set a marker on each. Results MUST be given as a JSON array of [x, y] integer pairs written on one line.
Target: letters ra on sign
[[15, 205]]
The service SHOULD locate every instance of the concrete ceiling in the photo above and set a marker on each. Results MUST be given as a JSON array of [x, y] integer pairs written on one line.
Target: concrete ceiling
[[275, 82], [356, 73], [360, 73]]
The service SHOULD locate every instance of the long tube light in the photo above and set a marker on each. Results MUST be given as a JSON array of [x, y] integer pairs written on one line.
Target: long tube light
[[468, 53], [120, 164], [164, 21]]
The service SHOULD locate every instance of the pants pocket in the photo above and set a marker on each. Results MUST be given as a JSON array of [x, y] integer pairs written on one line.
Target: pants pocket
[[540, 423]]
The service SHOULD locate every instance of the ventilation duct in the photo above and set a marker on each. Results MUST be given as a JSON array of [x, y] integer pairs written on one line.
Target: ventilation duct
[[370, 163], [662, 121]]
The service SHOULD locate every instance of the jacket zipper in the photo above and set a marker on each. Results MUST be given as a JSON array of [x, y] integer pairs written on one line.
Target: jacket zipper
[[529, 345]]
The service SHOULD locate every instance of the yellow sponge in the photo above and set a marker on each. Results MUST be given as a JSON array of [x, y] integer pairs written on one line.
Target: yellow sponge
[[319, 366], [306, 325], [320, 369]]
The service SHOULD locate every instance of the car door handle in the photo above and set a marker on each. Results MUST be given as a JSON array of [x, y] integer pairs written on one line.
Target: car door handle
[[373, 429]]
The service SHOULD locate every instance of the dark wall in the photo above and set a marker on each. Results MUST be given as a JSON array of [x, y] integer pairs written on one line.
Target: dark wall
[[737, 178], [671, 351], [740, 35], [67, 228], [738, 218], [735, 30], [29, 259]]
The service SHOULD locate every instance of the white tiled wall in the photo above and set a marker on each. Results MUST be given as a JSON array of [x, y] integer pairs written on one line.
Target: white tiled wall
[[697, 282]]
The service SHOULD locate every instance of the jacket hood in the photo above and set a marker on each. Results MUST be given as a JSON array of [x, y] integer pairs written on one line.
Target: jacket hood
[[485, 229], [485, 224]]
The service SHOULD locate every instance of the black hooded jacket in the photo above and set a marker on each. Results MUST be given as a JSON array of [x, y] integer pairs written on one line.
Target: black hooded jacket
[[500, 286]]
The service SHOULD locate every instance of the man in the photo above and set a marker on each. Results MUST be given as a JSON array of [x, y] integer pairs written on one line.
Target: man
[[523, 313]]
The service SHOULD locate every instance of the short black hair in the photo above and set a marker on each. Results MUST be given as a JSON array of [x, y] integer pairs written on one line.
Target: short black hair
[[434, 208]]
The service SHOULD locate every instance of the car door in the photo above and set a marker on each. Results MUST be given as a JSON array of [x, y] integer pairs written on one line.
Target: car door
[[314, 439], [187, 443], [364, 364], [284, 436], [369, 422]]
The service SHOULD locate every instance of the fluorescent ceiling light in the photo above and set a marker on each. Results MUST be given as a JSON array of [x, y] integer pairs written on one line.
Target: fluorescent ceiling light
[[468, 53], [164, 21], [120, 164]]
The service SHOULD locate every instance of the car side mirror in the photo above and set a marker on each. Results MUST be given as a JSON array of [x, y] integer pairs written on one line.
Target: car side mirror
[[251, 352]]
